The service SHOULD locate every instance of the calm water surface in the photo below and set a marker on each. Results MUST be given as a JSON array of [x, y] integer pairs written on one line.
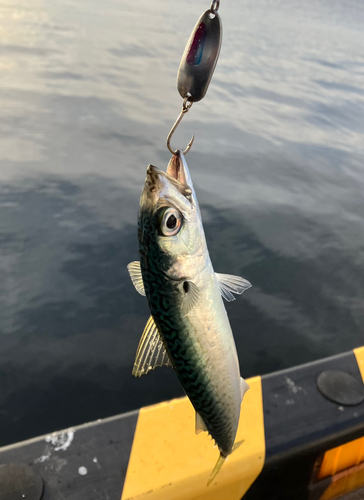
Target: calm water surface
[[88, 95]]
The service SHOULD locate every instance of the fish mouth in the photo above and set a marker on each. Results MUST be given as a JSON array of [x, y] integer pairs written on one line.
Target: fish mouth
[[156, 179], [175, 168], [171, 188], [178, 169]]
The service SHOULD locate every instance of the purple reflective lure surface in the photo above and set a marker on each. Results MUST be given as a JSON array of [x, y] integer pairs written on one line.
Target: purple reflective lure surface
[[194, 55]]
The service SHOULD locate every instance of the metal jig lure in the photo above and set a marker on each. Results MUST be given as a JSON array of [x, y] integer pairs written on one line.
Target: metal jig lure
[[198, 64]]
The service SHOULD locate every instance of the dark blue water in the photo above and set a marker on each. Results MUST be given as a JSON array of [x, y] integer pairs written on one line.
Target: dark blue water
[[88, 95]]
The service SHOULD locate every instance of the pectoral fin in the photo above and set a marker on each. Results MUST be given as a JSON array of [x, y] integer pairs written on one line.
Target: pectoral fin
[[191, 296], [151, 351], [230, 284], [136, 276], [200, 424]]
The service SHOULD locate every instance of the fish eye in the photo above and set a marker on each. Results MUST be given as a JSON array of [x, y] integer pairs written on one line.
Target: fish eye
[[171, 222]]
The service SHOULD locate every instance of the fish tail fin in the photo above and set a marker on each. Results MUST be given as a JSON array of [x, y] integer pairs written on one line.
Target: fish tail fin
[[215, 470], [220, 462], [236, 445]]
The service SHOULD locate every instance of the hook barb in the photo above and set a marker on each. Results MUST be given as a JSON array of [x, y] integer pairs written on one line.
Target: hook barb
[[185, 108]]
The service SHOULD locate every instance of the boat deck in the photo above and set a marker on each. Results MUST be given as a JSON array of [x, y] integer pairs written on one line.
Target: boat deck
[[297, 445]]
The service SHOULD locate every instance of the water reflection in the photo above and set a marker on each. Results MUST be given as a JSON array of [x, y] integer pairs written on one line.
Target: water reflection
[[71, 320], [88, 97]]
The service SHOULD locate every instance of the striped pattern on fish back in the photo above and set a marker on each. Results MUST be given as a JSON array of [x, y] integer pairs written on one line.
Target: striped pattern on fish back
[[164, 299]]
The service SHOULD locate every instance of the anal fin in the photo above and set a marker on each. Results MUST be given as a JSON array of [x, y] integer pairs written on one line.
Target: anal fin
[[200, 424]]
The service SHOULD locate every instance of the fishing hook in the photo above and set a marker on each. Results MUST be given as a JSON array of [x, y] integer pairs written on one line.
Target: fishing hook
[[185, 107]]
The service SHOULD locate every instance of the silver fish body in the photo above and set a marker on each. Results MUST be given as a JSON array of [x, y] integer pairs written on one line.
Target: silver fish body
[[189, 327]]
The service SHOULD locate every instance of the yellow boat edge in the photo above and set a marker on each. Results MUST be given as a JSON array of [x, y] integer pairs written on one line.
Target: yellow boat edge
[[168, 460]]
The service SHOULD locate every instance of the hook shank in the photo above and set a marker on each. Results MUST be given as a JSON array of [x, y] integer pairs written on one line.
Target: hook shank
[[185, 107]]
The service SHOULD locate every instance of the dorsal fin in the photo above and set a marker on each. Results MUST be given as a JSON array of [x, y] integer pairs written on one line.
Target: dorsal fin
[[230, 284], [136, 276], [151, 351], [244, 386]]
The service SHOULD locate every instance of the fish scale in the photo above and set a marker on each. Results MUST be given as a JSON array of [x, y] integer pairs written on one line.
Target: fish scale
[[158, 292]]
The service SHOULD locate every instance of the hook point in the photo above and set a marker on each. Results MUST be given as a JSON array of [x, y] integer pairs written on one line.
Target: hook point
[[189, 146]]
